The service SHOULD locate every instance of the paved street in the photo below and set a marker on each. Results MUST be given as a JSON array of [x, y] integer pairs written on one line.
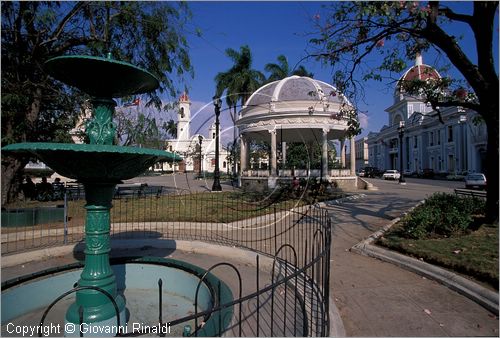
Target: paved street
[[180, 181], [379, 299]]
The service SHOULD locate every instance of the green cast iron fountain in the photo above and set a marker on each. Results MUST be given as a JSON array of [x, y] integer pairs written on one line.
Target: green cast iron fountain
[[99, 165]]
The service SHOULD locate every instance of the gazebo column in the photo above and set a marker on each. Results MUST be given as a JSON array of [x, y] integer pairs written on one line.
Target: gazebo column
[[283, 153], [325, 155], [274, 150], [342, 153], [243, 153], [353, 157]]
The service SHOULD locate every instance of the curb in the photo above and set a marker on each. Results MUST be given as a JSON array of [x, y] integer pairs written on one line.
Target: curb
[[479, 294]]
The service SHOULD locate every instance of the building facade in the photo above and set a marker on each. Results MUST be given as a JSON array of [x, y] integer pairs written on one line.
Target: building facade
[[197, 151], [456, 146]]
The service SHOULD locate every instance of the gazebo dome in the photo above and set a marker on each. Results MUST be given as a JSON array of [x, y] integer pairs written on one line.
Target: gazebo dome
[[300, 106], [293, 88]]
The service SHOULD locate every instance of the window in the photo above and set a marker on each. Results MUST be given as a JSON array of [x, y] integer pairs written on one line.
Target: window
[[450, 133], [415, 142], [224, 164], [422, 107], [451, 163], [439, 137], [410, 109], [213, 135], [431, 138]]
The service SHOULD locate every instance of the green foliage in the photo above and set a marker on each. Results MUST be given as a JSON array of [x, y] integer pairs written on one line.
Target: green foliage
[[240, 81], [35, 107], [148, 34], [441, 215], [282, 70], [140, 131]]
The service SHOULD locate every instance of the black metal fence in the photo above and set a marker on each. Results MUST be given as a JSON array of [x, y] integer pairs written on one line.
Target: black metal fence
[[292, 237]]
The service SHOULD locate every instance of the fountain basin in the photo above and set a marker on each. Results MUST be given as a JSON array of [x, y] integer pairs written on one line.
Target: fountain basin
[[93, 162], [101, 77], [25, 299]]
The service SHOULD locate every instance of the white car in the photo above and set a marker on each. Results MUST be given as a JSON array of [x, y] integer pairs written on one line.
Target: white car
[[475, 181], [391, 175]]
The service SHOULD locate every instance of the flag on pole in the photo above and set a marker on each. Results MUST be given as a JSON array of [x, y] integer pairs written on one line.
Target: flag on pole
[[135, 102]]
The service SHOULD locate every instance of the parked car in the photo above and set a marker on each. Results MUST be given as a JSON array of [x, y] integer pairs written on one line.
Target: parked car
[[408, 173], [475, 181], [391, 175], [361, 173], [428, 173], [372, 172]]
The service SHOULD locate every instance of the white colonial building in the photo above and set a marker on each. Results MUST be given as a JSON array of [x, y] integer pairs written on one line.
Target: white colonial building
[[455, 147], [193, 147]]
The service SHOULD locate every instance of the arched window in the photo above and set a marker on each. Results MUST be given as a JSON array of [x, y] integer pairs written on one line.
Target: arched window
[[397, 119]]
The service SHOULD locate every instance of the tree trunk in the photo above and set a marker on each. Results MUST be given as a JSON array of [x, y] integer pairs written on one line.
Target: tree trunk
[[492, 165], [11, 178]]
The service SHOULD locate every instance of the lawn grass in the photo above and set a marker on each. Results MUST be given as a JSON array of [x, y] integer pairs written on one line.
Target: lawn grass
[[474, 254], [202, 207], [196, 207]]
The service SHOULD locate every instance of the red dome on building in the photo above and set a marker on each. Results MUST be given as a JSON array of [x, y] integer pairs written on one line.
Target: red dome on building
[[420, 72], [184, 97]]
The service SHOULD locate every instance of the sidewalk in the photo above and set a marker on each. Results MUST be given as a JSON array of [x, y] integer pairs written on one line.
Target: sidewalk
[[375, 298]]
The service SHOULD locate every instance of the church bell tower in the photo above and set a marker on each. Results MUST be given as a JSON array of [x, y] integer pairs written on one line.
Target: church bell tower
[[184, 118]]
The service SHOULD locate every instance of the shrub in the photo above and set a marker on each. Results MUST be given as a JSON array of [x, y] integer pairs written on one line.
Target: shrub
[[441, 214]]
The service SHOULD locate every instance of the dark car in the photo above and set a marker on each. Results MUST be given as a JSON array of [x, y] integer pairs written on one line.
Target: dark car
[[373, 172], [428, 173]]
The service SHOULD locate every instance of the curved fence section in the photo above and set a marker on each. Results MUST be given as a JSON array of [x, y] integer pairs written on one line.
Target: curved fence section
[[287, 294]]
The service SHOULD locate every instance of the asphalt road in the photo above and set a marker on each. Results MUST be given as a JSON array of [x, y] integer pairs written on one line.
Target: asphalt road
[[188, 182]]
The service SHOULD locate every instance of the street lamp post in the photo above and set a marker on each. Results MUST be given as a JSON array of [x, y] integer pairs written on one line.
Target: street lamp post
[[200, 139], [401, 131], [463, 154], [217, 103]]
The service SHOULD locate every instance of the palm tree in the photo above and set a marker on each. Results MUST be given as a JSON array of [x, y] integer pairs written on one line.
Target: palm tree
[[282, 69], [239, 82], [171, 128]]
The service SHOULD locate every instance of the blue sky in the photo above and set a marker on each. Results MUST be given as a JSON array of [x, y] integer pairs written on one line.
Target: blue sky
[[271, 29]]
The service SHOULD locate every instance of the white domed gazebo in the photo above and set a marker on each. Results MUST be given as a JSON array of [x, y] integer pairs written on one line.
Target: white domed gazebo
[[295, 109]]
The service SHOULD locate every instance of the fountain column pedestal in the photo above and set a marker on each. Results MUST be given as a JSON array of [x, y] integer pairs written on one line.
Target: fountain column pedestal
[[98, 310]]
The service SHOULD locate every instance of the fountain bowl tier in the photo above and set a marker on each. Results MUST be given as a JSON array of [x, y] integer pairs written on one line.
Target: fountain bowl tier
[[101, 77], [93, 163]]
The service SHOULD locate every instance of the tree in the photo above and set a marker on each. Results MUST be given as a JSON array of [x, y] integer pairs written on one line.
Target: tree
[[397, 31], [308, 155], [171, 128], [282, 70], [139, 131], [239, 82], [37, 108]]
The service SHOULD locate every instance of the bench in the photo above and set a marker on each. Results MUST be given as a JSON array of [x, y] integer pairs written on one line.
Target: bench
[[74, 190], [137, 190], [470, 193]]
